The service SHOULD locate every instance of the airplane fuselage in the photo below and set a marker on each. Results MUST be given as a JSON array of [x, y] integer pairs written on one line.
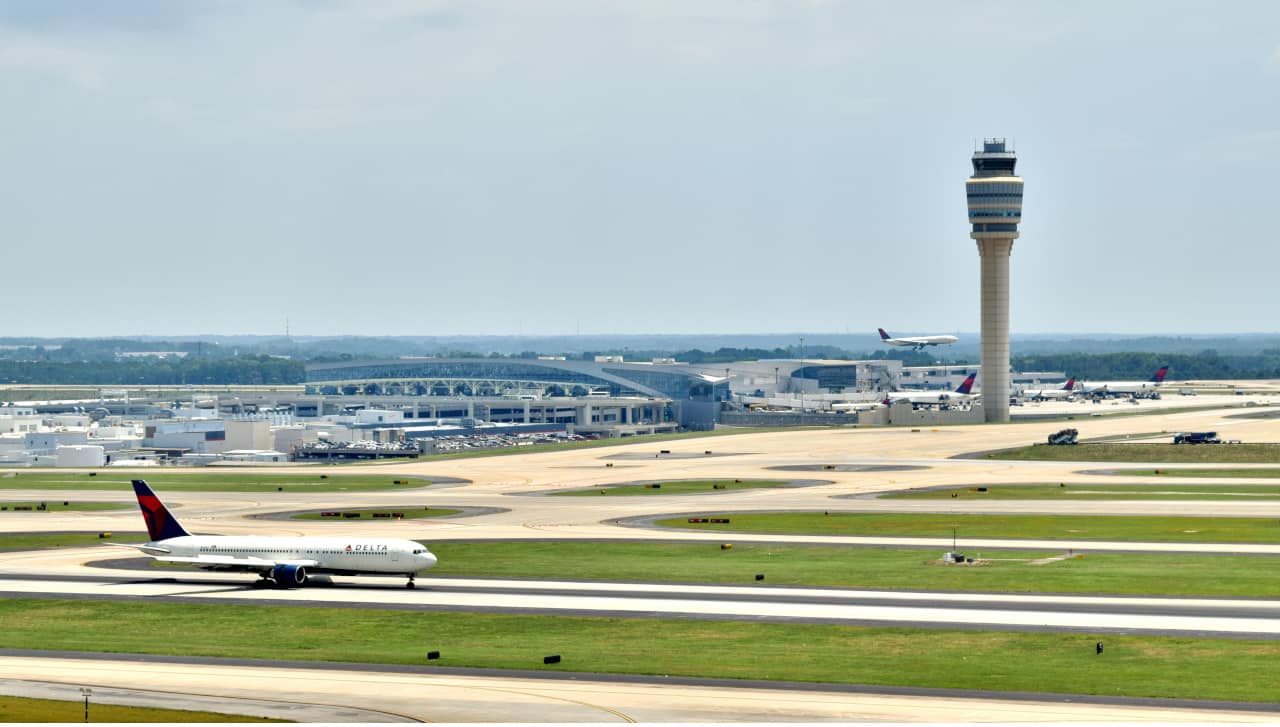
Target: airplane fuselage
[[349, 556]]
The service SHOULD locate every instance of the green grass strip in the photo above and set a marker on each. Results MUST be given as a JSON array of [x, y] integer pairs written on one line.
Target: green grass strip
[[1092, 491], [24, 709], [408, 513], [815, 565], [977, 525], [1145, 452], [865, 567], [1170, 667], [1261, 472], [32, 541], [30, 506], [676, 487]]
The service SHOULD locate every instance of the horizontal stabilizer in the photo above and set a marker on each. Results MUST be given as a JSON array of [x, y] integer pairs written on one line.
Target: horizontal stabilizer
[[144, 547]]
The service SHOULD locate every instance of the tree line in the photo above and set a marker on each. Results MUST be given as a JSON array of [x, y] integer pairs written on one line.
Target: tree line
[[264, 369]]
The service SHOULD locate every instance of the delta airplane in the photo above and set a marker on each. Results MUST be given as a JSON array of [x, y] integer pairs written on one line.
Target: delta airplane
[[285, 560], [961, 393], [916, 342], [1109, 388], [1066, 391]]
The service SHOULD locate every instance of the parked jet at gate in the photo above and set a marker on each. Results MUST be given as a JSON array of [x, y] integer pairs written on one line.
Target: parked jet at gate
[[286, 560], [961, 393], [1064, 392], [1111, 388], [916, 342]]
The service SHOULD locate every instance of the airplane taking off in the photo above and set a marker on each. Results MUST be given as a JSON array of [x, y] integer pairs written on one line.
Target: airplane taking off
[[961, 393], [1065, 392], [286, 560], [1136, 388], [916, 342]]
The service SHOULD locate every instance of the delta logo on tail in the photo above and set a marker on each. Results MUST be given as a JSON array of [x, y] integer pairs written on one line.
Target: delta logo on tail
[[160, 524], [967, 385], [1160, 374]]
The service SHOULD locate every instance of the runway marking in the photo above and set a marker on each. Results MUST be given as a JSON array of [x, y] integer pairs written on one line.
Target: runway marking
[[580, 703]]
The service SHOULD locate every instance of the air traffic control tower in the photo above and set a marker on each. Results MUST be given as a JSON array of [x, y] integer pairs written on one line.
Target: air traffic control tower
[[995, 209]]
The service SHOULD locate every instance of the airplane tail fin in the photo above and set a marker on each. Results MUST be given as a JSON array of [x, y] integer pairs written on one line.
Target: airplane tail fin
[[1160, 374], [161, 524], [967, 385], [883, 336], [1071, 384]]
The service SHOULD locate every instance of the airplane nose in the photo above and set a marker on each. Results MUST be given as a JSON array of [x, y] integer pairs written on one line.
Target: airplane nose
[[428, 559]]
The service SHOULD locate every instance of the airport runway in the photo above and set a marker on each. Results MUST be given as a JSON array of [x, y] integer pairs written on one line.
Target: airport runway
[[512, 486], [1240, 618], [348, 693]]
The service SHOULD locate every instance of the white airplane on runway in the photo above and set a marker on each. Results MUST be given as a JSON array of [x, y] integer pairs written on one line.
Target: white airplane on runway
[[286, 560], [916, 342]]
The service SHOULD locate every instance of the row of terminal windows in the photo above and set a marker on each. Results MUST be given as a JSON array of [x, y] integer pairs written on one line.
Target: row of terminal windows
[[995, 213], [997, 187]]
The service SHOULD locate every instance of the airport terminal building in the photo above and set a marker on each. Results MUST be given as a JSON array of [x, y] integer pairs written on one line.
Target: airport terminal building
[[654, 392]]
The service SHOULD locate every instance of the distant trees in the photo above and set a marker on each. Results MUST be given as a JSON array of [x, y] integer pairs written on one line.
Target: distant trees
[[1208, 364], [168, 370]]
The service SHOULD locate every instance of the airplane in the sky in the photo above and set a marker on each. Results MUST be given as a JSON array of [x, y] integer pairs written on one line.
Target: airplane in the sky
[[916, 342], [1066, 391], [961, 393], [286, 560], [1123, 388]]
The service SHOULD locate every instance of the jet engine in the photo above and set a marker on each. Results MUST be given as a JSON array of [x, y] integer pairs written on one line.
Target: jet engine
[[289, 575]]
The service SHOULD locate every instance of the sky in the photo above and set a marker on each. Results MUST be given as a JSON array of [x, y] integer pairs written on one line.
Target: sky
[[631, 166]]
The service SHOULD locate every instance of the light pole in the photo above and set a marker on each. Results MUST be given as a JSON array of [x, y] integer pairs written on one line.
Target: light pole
[[86, 691]]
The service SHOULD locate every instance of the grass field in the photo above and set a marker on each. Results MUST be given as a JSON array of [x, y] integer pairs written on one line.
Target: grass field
[[1260, 472], [22, 709], [239, 480], [1143, 452], [1187, 668], [811, 565], [974, 525], [676, 487], [31, 506], [408, 513], [864, 567], [32, 541], [1092, 491]]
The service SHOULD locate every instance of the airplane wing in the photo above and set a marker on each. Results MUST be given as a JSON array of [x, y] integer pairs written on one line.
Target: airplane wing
[[214, 561], [222, 561]]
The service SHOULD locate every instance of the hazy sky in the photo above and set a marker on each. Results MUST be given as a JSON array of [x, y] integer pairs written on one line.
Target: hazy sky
[[601, 166]]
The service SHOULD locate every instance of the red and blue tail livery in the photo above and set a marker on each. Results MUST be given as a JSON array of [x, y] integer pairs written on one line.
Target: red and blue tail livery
[[161, 524], [1160, 374], [966, 386]]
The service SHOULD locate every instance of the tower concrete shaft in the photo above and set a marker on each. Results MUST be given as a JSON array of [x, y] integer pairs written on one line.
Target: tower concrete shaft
[[995, 208]]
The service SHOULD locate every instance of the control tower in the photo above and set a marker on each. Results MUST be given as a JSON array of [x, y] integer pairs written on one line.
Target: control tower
[[995, 209]]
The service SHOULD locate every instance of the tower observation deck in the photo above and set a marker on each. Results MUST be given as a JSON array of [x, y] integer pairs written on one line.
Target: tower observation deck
[[995, 208]]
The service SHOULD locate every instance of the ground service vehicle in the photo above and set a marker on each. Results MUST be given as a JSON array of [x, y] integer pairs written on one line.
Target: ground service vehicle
[[1196, 438], [1063, 436]]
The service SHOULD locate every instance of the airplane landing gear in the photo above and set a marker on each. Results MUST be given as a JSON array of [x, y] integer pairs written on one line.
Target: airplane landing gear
[[410, 584]]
